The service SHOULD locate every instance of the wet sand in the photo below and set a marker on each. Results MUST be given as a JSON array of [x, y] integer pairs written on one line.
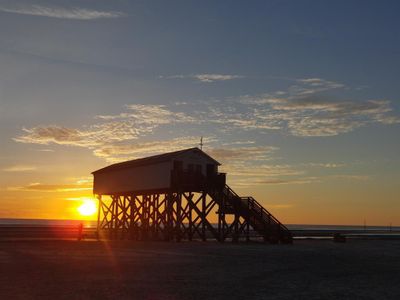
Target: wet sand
[[358, 269]]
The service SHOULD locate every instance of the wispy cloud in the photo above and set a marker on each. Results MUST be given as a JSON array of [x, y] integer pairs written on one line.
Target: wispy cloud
[[301, 180], [149, 114], [208, 78], [127, 151], [255, 165], [139, 120], [249, 168], [45, 135], [315, 117], [215, 77], [39, 187], [45, 150], [244, 153], [20, 168], [113, 137], [303, 110], [75, 13], [314, 85], [351, 177], [326, 165]]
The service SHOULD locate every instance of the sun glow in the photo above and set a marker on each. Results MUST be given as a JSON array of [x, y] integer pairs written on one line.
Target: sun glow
[[88, 207]]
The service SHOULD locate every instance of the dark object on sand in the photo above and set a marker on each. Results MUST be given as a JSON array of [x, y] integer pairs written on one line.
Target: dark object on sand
[[80, 229], [338, 238]]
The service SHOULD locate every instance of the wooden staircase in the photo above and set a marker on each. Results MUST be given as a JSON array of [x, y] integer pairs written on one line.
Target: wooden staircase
[[261, 220]]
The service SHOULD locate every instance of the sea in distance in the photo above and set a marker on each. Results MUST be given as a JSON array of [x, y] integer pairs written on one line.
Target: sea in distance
[[298, 230]]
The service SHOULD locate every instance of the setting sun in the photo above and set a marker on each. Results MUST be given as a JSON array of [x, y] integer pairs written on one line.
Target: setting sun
[[88, 207]]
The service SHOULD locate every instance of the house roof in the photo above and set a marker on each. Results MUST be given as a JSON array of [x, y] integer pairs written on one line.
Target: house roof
[[152, 160]]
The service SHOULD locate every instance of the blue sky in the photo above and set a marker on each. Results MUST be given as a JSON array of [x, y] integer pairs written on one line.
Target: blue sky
[[298, 99]]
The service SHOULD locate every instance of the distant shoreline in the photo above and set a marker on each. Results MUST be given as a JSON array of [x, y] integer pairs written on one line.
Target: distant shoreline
[[65, 229], [23, 221]]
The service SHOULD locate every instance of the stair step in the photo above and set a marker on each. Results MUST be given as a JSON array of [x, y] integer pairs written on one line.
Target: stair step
[[259, 218]]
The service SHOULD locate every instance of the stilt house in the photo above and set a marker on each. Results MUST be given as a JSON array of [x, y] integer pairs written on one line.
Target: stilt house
[[173, 196]]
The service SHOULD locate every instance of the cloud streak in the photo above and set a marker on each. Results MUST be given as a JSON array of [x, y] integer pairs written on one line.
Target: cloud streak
[[74, 13], [127, 151], [215, 77], [300, 180], [114, 137], [39, 187], [139, 120], [20, 168], [206, 78], [315, 117], [302, 110], [253, 165]]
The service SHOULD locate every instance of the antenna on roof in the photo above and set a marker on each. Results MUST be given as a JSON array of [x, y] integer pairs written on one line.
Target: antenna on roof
[[201, 143]]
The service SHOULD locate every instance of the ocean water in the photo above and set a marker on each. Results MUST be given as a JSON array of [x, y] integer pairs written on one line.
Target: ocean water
[[293, 227], [350, 231], [46, 222], [311, 227]]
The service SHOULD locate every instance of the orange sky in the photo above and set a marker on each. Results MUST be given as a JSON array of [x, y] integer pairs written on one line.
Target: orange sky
[[333, 201], [300, 107]]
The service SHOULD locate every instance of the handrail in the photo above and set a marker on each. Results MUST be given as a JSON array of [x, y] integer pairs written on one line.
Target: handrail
[[268, 213], [231, 191], [255, 206]]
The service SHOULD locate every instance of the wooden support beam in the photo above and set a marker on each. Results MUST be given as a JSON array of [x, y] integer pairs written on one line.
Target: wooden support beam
[[184, 215]]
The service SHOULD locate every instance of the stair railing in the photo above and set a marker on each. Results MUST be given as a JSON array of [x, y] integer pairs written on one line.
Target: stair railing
[[265, 212], [255, 206]]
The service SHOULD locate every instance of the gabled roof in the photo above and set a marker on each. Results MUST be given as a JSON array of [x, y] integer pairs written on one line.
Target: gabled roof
[[152, 160]]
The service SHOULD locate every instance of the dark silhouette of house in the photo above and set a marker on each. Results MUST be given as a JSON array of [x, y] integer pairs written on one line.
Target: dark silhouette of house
[[173, 195]]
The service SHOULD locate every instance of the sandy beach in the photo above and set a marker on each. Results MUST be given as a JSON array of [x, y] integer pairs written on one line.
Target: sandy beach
[[358, 269]]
